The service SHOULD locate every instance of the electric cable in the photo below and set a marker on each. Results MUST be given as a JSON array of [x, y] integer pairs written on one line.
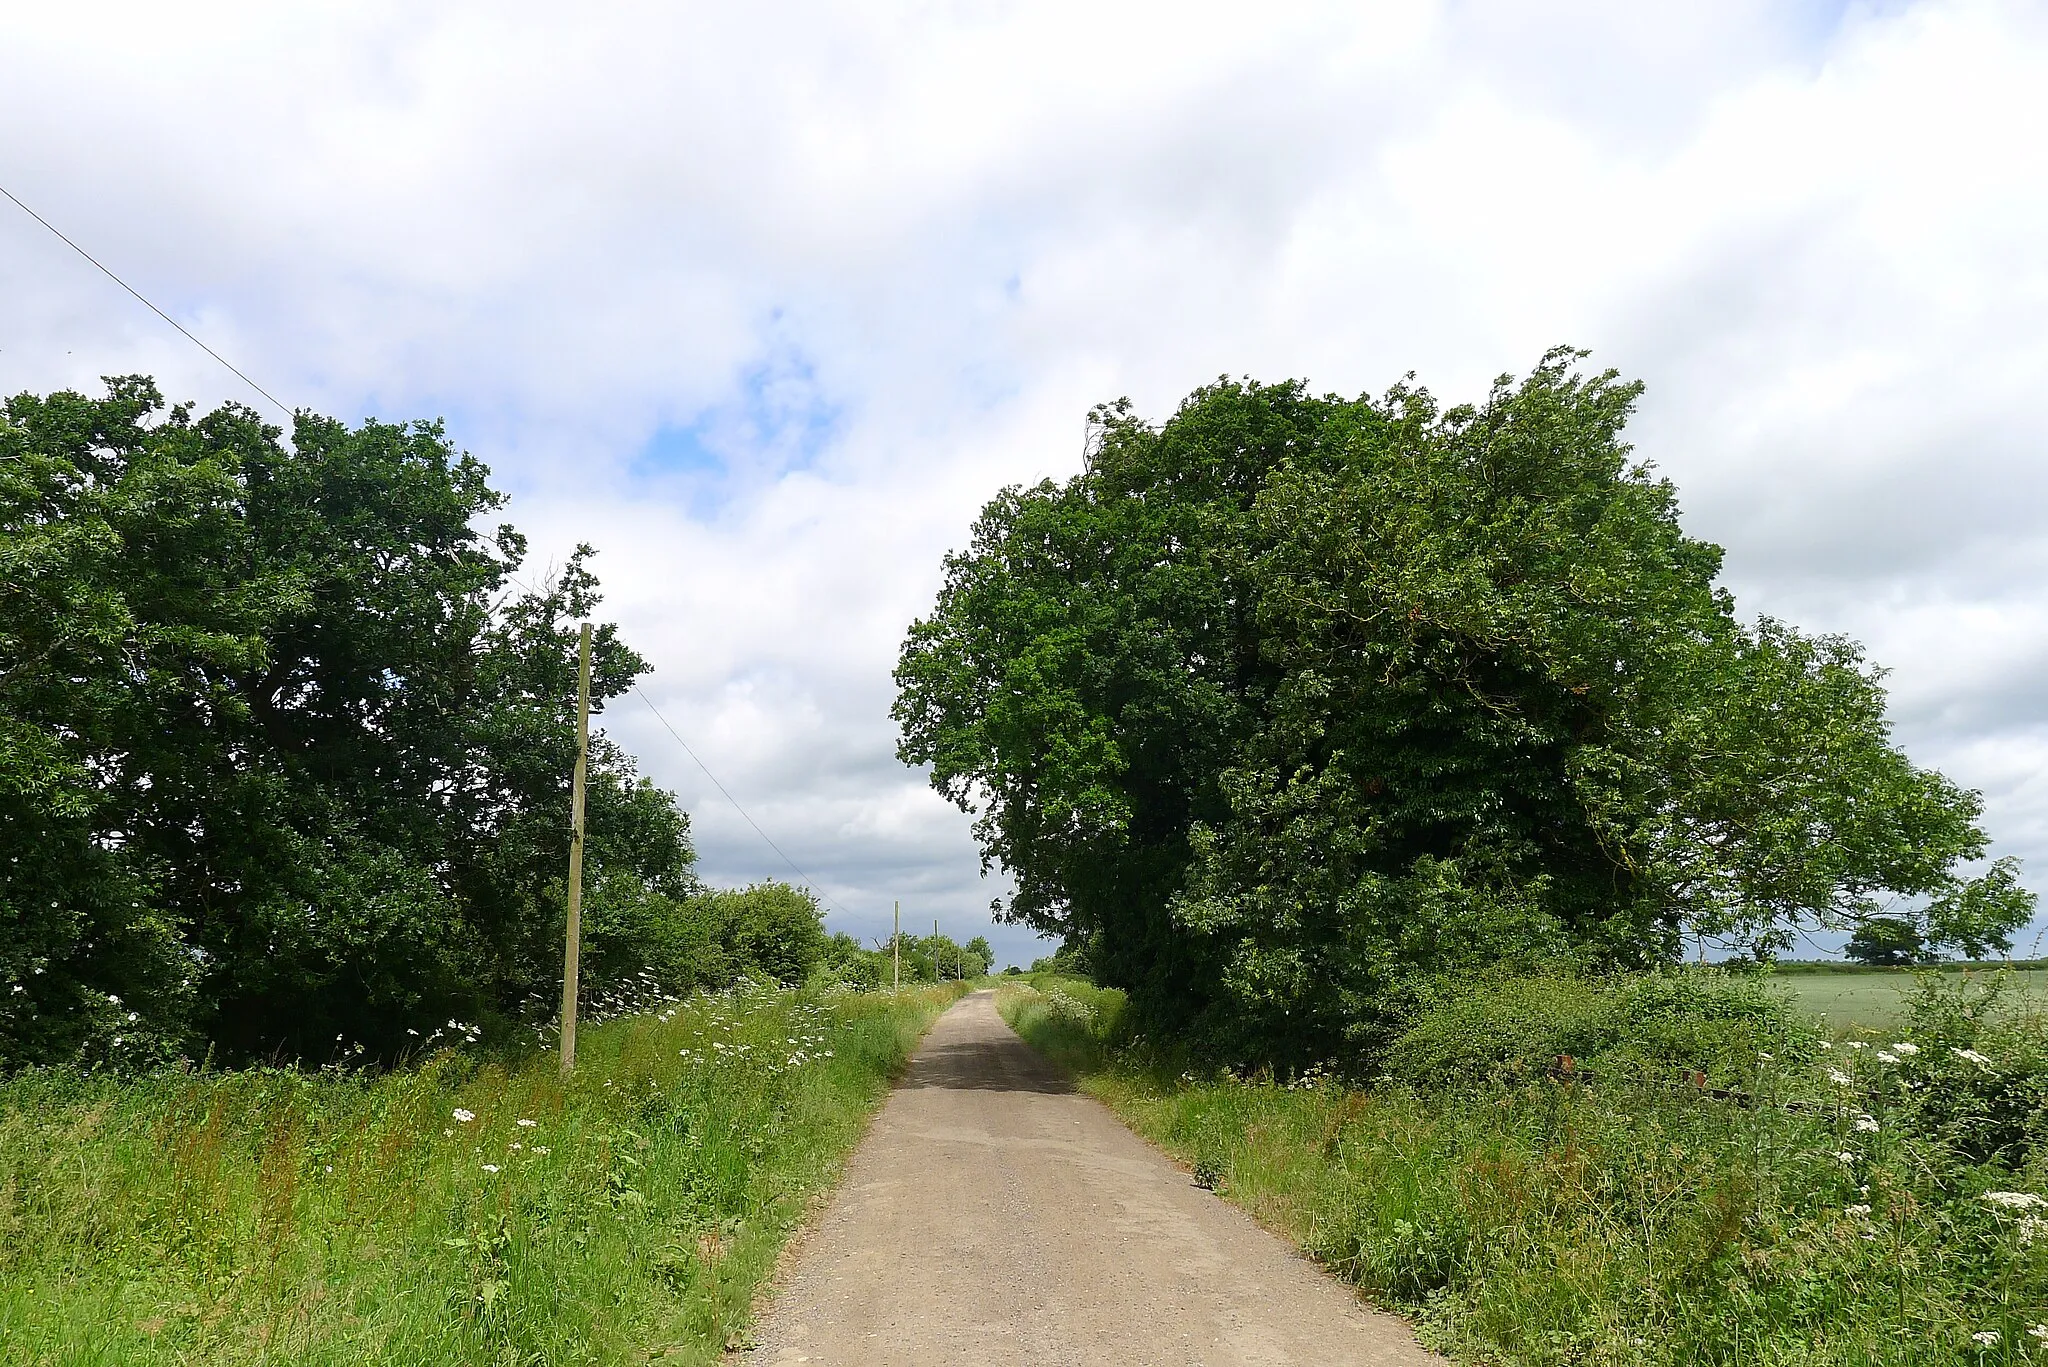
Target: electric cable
[[145, 303], [807, 880]]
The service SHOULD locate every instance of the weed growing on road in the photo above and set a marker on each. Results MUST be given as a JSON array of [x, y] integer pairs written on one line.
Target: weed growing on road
[[465, 1210], [1830, 1204]]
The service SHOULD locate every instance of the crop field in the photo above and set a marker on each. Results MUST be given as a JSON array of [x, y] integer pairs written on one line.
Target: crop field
[[1874, 999], [464, 1210]]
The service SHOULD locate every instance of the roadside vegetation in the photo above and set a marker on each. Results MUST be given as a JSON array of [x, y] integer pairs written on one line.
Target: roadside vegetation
[[470, 1207], [1710, 1178]]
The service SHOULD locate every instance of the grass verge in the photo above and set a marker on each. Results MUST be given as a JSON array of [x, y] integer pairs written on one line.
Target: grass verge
[[464, 1210], [1534, 1222]]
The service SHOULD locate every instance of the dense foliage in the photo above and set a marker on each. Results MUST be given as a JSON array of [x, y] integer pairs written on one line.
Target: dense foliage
[[1290, 700], [284, 757]]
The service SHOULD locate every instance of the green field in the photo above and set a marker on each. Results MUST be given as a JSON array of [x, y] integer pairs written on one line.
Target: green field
[[1874, 998]]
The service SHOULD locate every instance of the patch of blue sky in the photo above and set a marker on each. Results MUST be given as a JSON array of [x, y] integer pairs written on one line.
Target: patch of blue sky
[[778, 419]]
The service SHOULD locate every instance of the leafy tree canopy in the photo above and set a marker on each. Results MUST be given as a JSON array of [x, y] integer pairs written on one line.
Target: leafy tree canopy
[[1291, 700], [284, 756]]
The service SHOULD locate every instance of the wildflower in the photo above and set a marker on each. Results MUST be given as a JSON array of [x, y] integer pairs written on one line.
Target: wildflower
[[1825, 1044], [1857, 1044], [1884, 1056], [526, 1124], [1971, 1056], [517, 1147], [464, 1116], [2016, 1200], [2039, 1332], [541, 1150], [1866, 1125], [1859, 1211], [490, 1167], [1846, 1157], [1906, 1047], [447, 1134], [1986, 1337], [1840, 1078], [1765, 1057]]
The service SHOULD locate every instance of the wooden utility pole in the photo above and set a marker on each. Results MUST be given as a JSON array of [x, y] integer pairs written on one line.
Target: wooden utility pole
[[938, 974], [572, 948], [896, 943]]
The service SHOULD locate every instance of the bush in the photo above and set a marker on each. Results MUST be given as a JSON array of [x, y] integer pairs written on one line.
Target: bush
[[1470, 1030], [704, 938]]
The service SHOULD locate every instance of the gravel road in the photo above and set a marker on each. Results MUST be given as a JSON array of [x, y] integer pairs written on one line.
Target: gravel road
[[994, 1215]]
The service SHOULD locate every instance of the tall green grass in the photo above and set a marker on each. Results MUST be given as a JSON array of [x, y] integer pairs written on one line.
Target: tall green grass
[[1829, 1208], [464, 1210]]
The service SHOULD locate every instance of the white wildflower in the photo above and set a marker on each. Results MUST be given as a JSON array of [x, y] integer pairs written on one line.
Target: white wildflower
[[1825, 1044], [2016, 1200], [1840, 1078], [541, 1150], [1866, 1125], [526, 1124], [1906, 1047], [1886, 1057], [464, 1116], [1971, 1056], [1985, 1336], [2040, 1332], [517, 1147], [1860, 1211], [1857, 1044], [490, 1167], [1846, 1156], [1765, 1057]]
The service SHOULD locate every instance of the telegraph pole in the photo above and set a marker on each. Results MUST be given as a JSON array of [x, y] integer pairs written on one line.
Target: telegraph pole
[[572, 949], [938, 974], [896, 944]]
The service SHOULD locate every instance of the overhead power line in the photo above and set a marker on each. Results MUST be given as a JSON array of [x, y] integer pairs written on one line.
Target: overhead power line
[[808, 881], [232, 369]]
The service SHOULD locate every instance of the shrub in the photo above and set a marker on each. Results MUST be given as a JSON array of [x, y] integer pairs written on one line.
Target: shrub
[[1469, 1030]]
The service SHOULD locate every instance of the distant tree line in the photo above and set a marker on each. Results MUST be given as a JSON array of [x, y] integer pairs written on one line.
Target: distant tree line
[[929, 958], [285, 744], [1289, 703]]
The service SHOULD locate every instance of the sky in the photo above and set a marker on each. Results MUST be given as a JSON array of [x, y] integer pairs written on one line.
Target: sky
[[765, 301]]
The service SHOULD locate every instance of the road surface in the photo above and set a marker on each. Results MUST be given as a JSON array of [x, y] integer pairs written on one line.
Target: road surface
[[995, 1215]]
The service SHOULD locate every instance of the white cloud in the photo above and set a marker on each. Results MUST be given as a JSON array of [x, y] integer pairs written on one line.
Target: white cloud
[[766, 300]]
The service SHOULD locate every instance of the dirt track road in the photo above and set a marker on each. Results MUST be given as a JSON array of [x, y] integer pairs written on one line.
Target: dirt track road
[[994, 1215]]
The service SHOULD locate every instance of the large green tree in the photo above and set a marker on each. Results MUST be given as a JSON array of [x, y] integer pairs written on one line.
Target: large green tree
[[284, 753], [1289, 701]]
